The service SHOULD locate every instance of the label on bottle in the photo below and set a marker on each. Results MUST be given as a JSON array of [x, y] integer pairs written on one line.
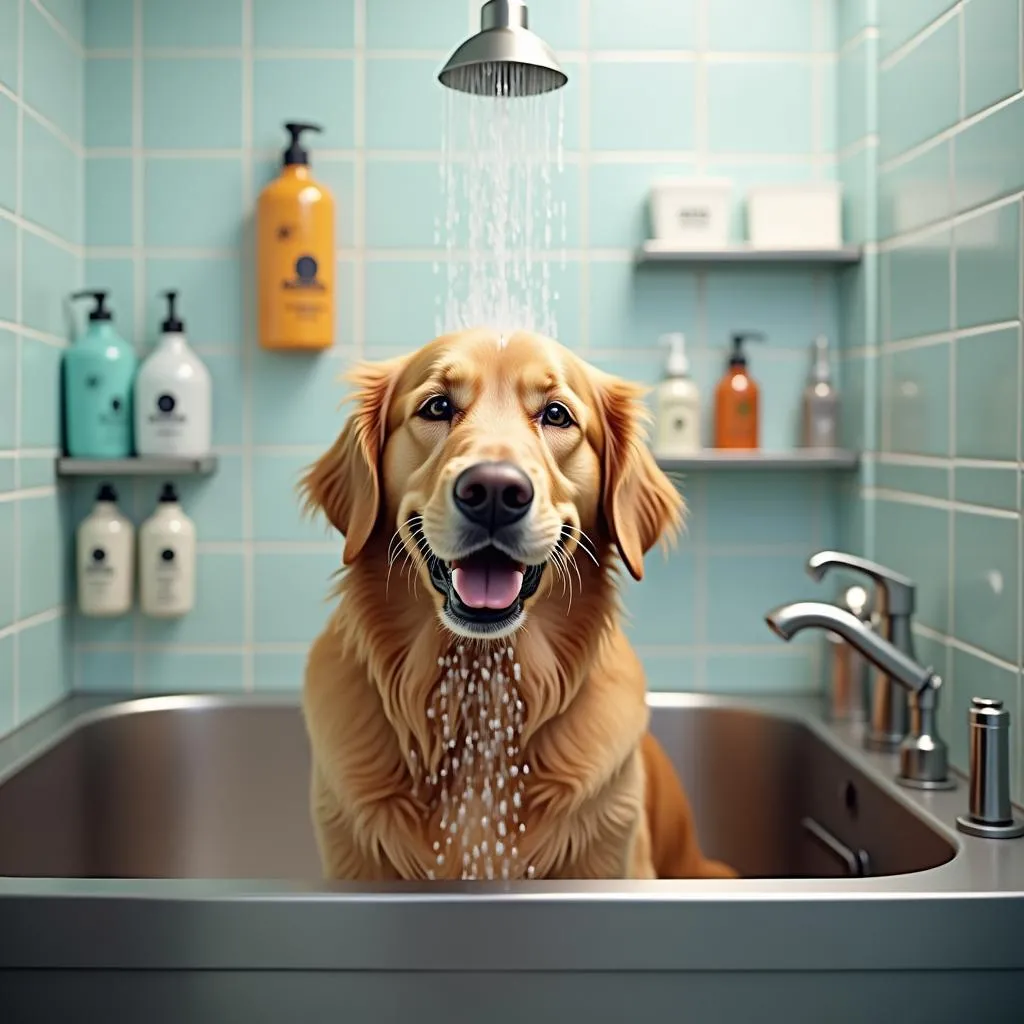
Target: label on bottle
[[306, 295], [678, 425], [166, 417], [112, 408], [97, 572], [168, 578]]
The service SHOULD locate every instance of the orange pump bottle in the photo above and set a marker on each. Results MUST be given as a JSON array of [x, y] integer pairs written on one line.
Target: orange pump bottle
[[295, 255], [737, 400]]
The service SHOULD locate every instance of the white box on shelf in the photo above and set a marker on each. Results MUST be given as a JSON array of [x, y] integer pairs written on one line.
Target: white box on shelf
[[808, 215], [691, 213]]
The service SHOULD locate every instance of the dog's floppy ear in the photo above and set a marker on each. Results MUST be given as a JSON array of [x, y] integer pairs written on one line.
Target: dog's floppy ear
[[640, 504], [345, 482]]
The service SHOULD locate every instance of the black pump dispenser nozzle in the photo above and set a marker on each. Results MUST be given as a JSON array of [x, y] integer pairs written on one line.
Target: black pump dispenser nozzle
[[296, 153], [738, 356], [172, 324], [106, 492], [168, 494], [99, 311]]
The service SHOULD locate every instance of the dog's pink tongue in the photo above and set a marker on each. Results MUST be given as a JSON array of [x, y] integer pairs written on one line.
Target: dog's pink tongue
[[487, 586]]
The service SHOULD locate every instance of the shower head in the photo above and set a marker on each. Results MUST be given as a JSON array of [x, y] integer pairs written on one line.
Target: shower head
[[504, 58]]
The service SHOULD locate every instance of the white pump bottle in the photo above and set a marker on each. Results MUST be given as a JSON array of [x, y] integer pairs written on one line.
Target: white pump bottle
[[677, 405]]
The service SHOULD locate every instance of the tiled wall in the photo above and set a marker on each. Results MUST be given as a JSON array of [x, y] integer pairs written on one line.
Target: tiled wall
[[184, 106], [945, 493], [41, 234]]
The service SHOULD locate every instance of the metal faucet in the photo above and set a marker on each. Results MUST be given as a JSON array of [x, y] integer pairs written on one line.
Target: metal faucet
[[894, 603], [923, 754]]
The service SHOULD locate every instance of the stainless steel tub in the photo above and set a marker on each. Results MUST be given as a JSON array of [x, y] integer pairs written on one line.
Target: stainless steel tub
[[158, 864]]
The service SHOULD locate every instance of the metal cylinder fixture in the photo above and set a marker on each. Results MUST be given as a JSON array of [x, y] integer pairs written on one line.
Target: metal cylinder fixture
[[990, 813]]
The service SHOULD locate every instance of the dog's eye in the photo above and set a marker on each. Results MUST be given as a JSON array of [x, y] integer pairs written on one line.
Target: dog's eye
[[556, 415], [437, 408]]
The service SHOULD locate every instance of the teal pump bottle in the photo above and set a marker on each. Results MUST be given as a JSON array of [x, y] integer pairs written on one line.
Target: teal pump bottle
[[99, 375]]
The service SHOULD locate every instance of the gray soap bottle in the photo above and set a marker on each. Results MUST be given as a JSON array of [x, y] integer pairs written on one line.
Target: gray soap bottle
[[819, 426]]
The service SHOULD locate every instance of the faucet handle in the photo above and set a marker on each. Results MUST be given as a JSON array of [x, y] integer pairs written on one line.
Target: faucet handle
[[897, 590], [990, 813]]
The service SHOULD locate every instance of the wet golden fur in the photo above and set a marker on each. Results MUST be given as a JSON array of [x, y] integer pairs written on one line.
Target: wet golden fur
[[602, 799]]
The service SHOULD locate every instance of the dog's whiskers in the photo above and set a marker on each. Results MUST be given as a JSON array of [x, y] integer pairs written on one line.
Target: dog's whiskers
[[583, 541]]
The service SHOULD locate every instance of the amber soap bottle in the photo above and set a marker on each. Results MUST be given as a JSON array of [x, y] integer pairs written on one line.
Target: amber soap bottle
[[295, 254], [737, 399]]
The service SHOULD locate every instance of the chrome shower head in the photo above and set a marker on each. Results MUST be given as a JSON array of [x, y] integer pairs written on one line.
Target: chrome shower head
[[504, 58]]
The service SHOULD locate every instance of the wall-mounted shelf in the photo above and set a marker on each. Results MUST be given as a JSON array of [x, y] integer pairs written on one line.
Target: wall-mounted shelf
[[732, 459], [141, 466], [665, 252]]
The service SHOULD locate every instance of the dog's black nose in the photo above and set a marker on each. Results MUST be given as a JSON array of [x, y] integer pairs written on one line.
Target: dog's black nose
[[493, 494]]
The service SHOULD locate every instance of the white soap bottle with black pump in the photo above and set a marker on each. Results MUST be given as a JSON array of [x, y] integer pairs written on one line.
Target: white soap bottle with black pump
[[105, 558], [173, 395], [677, 404], [167, 559]]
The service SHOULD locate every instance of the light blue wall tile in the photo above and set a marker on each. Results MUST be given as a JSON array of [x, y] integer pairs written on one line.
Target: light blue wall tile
[[71, 15], [37, 470], [783, 671], [642, 106], [108, 113], [325, 24], [10, 30], [6, 684], [215, 502], [740, 512], [41, 569], [390, 26], [631, 307], [305, 393], [900, 21], [226, 377], [650, 25], [759, 107], [859, 179], [119, 630], [108, 201], [8, 273], [7, 482], [278, 672], [8, 140], [908, 114], [318, 91], [857, 102], [116, 276], [403, 104], [52, 74], [40, 390], [988, 267], [650, 619], [858, 304], [991, 67], [109, 24], [407, 324], [930, 481], [914, 540], [993, 488], [43, 667], [192, 103], [179, 672], [987, 395], [920, 269], [405, 205], [853, 16], [52, 184], [670, 671], [49, 274], [737, 26], [193, 202], [989, 163], [916, 390], [8, 384], [192, 23], [916, 193], [7, 545], [105, 671], [276, 503], [209, 300], [292, 595], [560, 23], [619, 203], [219, 613], [782, 377], [986, 584]]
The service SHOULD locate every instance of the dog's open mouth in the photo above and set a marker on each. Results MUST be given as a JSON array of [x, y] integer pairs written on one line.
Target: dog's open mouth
[[485, 589]]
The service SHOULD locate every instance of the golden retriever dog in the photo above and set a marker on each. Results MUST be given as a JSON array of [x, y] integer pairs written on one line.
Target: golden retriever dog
[[473, 706]]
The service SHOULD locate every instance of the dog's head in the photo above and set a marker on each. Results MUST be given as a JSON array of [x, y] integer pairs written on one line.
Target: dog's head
[[491, 460]]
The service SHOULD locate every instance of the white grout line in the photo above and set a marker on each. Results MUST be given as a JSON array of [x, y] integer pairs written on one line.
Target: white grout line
[[31, 227], [60, 28], [854, 41], [901, 51], [951, 641], [943, 504], [56, 612]]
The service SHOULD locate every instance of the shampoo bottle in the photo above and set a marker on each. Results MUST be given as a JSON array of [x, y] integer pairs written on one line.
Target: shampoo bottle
[[737, 399], [819, 424], [295, 255], [677, 404], [173, 395], [105, 558], [167, 559], [99, 372]]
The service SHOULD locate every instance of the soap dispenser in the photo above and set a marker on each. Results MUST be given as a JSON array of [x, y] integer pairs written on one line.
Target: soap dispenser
[[105, 550], [173, 395], [99, 373], [819, 422], [677, 404], [167, 559], [737, 399], [295, 254]]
